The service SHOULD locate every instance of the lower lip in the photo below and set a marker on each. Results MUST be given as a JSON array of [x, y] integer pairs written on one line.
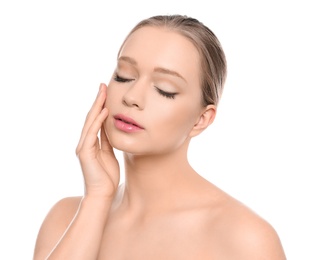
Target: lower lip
[[125, 127]]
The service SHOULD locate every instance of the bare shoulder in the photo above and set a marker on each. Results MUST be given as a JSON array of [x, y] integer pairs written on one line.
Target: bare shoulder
[[54, 225], [240, 233]]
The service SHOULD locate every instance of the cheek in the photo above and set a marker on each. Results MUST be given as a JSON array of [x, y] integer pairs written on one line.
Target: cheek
[[112, 97], [176, 120]]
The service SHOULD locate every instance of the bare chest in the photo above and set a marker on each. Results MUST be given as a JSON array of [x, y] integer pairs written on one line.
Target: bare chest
[[162, 238]]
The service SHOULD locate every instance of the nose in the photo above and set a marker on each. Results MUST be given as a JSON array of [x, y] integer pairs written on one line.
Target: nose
[[135, 96]]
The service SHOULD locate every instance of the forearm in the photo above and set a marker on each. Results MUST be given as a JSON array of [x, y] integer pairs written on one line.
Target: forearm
[[83, 237]]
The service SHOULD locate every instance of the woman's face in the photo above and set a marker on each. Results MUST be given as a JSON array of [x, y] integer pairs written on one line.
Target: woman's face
[[154, 96]]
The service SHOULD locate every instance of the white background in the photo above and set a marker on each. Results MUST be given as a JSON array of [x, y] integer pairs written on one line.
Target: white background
[[261, 149]]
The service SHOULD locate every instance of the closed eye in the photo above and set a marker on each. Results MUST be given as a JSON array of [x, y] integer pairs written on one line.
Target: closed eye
[[166, 94], [121, 79]]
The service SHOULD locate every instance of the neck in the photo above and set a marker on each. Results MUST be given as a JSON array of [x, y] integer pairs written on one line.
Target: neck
[[155, 181]]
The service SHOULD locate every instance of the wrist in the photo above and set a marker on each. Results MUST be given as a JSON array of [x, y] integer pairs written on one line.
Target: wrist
[[96, 202], [100, 192]]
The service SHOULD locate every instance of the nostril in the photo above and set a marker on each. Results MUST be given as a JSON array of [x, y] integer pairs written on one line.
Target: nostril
[[131, 101]]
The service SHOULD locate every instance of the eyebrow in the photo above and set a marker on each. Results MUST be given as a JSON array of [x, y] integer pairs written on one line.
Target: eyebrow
[[128, 59], [169, 72], [157, 69]]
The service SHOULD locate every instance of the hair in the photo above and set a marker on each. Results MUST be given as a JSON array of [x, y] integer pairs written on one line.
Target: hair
[[213, 60]]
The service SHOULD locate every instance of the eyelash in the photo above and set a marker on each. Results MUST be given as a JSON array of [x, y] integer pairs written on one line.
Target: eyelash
[[161, 92], [120, 79], [166, 94]]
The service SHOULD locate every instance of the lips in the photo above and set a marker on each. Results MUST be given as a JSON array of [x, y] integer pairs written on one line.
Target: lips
[[127, 124]]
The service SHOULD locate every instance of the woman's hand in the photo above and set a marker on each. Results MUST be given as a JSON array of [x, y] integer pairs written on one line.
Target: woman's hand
[[98, 162]]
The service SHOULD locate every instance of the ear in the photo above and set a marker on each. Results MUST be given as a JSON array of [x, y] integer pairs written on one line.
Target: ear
[[205, 119]]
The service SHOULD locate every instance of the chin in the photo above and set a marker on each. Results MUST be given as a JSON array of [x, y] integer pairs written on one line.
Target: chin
[[125, 142], [124, 145]]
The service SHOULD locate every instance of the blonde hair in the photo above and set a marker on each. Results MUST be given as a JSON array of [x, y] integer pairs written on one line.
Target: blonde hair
[[213, 60]]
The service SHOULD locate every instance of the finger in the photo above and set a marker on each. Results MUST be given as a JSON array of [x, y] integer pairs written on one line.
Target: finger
[[104, 141], [90, 141], [96, 107], [92, 114]]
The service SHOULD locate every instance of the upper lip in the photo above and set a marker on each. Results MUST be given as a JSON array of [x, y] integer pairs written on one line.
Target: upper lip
[[127, 119]]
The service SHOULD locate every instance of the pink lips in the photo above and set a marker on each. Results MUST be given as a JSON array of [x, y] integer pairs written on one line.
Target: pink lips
[[126, 124]]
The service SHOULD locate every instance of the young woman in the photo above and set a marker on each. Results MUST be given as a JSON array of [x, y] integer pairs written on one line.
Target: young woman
[[164, 91]]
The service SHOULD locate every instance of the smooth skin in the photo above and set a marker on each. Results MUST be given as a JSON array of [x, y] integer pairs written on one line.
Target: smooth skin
[[164, 209]]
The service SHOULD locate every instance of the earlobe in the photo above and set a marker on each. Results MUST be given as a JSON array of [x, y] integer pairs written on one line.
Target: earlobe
[[206, 118]]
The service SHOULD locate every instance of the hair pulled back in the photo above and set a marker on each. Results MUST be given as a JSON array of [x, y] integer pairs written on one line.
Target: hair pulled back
[[213, 60]]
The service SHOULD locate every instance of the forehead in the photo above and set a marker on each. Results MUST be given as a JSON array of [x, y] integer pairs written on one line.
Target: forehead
[[162, 47]]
